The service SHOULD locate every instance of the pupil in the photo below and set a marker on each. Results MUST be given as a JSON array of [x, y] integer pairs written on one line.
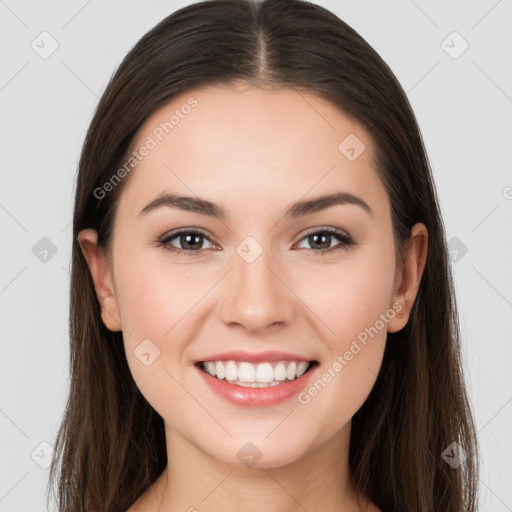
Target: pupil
[[325, 245], [187, 239]]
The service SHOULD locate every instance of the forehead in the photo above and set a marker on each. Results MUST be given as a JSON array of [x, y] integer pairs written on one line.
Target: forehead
[[223, 142]]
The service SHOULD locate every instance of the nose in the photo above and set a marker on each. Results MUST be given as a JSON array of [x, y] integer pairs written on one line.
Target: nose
[[256, 295]]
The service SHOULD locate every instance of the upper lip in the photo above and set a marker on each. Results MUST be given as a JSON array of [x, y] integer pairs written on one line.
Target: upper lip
[[242, 355]]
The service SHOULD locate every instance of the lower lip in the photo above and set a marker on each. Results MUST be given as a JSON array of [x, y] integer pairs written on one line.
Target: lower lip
[[257, 397]]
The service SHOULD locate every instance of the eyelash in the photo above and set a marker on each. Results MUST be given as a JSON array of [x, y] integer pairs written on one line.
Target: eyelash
[[345, 239]]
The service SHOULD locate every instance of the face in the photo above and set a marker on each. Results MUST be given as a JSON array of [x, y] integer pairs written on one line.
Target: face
[[269, 284]]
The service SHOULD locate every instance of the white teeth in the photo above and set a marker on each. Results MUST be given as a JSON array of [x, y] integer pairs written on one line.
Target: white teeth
[[247, 372], [301, 368], [264, 373], [291, 371], [231, 371], [256, 375], [254, 384], [220, 370], [210, 368], [280, 371]]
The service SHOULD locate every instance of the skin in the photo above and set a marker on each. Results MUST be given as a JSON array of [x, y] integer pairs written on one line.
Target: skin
[[254, 152]]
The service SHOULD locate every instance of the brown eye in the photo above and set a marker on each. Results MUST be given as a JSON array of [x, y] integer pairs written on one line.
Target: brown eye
[[191, 241], [320, 241], [188, 242]]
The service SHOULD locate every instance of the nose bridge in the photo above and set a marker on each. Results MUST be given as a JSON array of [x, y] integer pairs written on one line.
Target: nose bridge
[[256, 297]]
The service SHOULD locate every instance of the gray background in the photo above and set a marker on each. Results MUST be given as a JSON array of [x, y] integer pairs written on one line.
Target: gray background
[[463, 106]]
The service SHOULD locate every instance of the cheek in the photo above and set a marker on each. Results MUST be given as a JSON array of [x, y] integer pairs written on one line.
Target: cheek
[[352, 303], [153, 304], [162, 303], [349, 297], [153, 296]]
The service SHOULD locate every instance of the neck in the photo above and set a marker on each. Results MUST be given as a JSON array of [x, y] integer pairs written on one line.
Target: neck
[[195, 481]]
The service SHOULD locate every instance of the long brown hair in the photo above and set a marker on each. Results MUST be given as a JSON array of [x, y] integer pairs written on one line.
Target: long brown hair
[[111, 445]]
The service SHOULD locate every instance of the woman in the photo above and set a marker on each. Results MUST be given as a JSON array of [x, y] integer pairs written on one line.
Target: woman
[[262, 313]]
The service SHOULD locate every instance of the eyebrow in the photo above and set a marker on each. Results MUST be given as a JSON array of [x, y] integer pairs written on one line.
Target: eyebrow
[[298, 209]]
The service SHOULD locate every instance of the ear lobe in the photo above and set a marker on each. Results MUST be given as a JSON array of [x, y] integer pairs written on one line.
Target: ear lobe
[[102, 277], [409, 277]]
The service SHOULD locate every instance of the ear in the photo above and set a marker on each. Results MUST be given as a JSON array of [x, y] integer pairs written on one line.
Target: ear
[[408, 277], [102, 277]]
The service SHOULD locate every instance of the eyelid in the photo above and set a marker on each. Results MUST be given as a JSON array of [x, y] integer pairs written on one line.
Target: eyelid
[[179, 231], [324, 229]]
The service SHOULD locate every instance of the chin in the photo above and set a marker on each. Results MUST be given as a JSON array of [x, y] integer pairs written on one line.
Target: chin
[[258, 452]]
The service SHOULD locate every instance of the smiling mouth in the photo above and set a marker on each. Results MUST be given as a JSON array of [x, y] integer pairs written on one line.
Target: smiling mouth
[[261, 375]]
